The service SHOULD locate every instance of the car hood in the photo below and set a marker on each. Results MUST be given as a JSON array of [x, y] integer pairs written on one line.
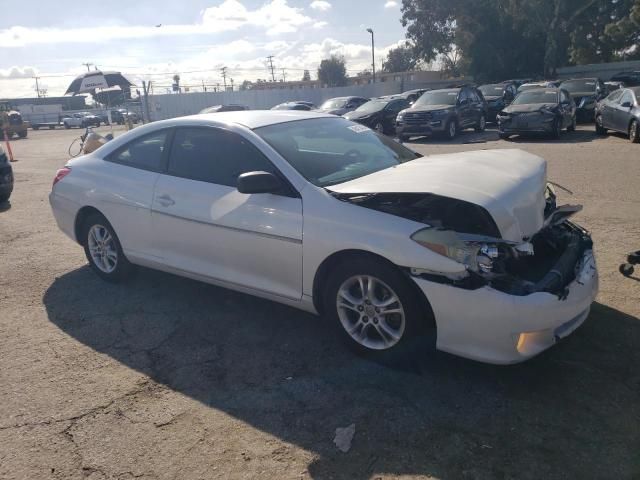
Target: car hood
[[509, 184], [332, 111], [355, 115], [429, 108], [529, 107]]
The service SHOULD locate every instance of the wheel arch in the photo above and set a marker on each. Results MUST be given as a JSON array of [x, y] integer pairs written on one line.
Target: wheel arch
[[81, 216], [324, 270]]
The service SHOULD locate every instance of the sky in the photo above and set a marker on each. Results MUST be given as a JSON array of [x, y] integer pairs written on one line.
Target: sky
[[153, 40]]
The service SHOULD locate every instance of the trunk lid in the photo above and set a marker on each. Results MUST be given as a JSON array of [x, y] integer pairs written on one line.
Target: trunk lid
[[509, 184]]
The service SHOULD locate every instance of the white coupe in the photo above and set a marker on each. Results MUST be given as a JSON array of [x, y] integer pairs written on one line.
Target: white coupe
[[323, 214]]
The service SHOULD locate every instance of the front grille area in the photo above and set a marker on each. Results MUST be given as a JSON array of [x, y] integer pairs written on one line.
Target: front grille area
[[415, 118]]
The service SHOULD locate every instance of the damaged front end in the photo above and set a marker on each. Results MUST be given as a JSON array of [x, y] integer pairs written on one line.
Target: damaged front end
[[549, 261]]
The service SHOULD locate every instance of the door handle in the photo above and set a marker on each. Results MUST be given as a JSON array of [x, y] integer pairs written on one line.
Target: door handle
[[165, 200]]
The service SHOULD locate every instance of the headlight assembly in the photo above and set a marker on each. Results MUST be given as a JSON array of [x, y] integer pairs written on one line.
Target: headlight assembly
[[476, 252]]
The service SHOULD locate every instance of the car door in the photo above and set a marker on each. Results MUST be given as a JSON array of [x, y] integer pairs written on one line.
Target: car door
[[124, 190], [607, 108], [622, 111], [464, 109], [204, 226], [391, 112]]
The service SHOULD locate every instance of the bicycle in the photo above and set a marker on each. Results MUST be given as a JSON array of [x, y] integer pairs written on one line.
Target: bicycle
[[79, 142]]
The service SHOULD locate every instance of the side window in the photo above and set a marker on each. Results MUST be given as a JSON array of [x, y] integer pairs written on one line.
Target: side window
[[396, 106], [564, 98], [144, 153], [615, 95], [463, 97], [214, 156], [474, 96], [626, 97]]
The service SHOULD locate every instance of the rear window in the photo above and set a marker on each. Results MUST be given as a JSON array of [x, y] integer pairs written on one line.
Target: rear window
[[536, 96]]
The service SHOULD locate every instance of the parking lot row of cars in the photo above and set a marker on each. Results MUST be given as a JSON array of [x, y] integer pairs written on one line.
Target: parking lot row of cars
[[517, 107]]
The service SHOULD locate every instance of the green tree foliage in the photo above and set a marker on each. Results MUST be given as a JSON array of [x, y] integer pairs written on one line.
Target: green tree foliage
[[400, 59], [505, 38], [333, 71]]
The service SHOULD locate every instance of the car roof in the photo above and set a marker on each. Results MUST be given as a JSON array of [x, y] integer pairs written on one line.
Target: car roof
[[253, 118]]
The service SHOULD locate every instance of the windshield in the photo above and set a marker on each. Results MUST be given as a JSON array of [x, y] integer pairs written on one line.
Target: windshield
[[334, 103], [372, 106], [536, 96], [492, 90], [579, 86], [446, 97], [328, 151]]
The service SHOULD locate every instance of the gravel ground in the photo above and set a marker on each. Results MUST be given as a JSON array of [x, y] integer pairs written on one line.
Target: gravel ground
[[169, 378]]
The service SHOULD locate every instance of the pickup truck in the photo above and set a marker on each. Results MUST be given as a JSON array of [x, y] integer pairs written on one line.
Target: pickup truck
[[81, 120]]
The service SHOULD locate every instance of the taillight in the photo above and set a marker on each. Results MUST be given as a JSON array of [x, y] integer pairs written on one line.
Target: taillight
[[60, 174]]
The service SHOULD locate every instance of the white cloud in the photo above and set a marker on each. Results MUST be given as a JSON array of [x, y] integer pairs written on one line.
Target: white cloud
[[275, 17], [320, 5], [320, 24], [391, 4], [18, 72]]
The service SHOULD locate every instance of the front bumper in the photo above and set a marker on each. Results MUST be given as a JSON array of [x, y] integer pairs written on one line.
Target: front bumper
[[586, 113], [526, 124], [495, 327], [427, 128]]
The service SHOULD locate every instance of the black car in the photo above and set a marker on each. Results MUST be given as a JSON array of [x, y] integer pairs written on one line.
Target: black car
[[543, 110], [6, 177], [225, 108], [498, 96], [630, 78], [305, 106], [341, 105], [444, 111], [379, 113], [620, 111], [586, 92]]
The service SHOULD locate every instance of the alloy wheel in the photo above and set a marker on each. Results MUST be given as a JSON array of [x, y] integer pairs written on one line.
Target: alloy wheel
[[379, 127], [102, 248], [634, 134], [452, 129], [370, 312]]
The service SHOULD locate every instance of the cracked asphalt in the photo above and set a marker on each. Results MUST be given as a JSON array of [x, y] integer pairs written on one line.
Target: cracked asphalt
[[168, 378]]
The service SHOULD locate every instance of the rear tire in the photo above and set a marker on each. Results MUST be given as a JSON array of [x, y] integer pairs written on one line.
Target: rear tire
[[379, 128], [404, 138], [572, 127], [504, 136], [22, 134], [67, 126], [600, 130], [482, 124], [634, 132], [360, 318], [103, 250]]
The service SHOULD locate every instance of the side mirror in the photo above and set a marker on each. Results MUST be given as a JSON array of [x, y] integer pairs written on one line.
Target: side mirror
[[626, 105], [258, 182]]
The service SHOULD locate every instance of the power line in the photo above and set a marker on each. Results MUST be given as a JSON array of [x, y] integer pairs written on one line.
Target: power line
[[273, 75]]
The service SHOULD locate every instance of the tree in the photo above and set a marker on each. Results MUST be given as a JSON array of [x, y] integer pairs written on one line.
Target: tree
[[333, 71], [400, 59], [176, 83], [306, 76], [246, 85], [521, 37]]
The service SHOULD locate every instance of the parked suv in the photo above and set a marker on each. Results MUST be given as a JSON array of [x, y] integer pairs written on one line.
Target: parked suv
[[444, 111], [498, 96], [586, 92]]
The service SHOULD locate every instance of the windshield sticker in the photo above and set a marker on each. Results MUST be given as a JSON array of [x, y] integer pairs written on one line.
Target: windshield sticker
[[359, 128]]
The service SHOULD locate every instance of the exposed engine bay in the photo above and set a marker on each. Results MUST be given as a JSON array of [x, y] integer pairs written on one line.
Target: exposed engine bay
[[547, 262]]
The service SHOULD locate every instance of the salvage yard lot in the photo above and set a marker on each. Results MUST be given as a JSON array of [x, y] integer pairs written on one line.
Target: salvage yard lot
[[169, 378]]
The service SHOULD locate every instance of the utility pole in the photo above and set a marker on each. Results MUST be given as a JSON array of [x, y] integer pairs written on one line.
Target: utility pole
[[284, 75], [373, 54], [232, 84], [37, 86], [273, 75], [223, 72], [204, 87], [87, 65]]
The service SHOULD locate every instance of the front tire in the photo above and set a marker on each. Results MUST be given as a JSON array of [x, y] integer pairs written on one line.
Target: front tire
[[451, 129], [634, 132], [557, 129], [379, 127], [103, 250], [374, 308], [482, 124], [67, 126], [404, 138], [600, 130], [572, 127]]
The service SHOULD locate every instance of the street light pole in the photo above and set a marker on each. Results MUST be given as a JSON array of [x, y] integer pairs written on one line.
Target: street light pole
[[373, 54]]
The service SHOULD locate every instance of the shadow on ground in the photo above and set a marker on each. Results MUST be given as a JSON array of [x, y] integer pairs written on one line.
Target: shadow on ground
[[571, 413], [5, 206]]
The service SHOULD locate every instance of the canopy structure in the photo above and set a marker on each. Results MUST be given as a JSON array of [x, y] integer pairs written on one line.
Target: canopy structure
[[90, 81]]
